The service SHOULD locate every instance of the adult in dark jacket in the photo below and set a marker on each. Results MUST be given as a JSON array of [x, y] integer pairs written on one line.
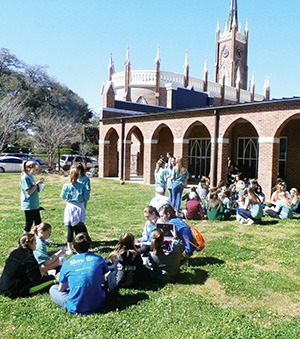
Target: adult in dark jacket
[[22, 275]]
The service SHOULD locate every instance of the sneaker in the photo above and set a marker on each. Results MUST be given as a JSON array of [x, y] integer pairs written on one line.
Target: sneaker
[[250, 222], [243, 221]]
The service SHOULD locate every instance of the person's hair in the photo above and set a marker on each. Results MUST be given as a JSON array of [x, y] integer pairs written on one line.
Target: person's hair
[[179, 168], [193, 189], [168, 209], [283, 197], [151, 209], [253, 182], [26, 240], [41, 227], [295, 197], [82, 242], [80, 168], [214, 201], [157, 240], [28, 166], [159, 164], [220, 184], [252, 197], [125, 244], [171, 159], [74, 175], [211, 191], [226, 194]]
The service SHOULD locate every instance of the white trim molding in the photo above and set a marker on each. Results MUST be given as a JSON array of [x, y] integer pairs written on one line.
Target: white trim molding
[[104, 142], [220, 140], [150, 141], [268, 140], [180, 141]]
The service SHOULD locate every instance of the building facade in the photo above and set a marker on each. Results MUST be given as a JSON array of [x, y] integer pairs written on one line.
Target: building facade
[[148, 113]]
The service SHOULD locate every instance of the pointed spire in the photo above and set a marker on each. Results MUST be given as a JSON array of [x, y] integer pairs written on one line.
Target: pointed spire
[[186, 62], [157, 59], [252, 83], [218, 26], [111, 65], [232, 16], [246, 28], [127, 60], [205, 69], [238, 76]]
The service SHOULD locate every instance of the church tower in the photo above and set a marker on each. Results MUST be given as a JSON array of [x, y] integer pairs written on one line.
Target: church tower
[[232, 52]]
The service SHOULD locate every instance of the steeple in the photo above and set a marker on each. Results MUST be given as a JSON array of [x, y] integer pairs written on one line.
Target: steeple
[[232, 16], [111, 67], [186, 68]]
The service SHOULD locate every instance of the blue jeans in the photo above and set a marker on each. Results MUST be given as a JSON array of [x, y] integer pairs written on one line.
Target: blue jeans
[[170, 194], [177, 190], [60, 298], [246, 214]]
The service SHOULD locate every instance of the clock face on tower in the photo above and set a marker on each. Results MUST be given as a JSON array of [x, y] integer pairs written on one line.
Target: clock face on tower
[[225, 53], [239, 53]]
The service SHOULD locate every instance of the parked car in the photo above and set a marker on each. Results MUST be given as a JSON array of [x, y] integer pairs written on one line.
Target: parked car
[[67, 160], [10, 164], [23, 156]]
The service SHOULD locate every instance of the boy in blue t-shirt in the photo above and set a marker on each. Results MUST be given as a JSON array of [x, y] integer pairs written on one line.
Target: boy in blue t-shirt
[[80, 281]]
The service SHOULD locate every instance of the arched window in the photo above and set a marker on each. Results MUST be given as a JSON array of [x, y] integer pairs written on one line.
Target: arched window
[[248, 156], [199, 157], [142, 100]]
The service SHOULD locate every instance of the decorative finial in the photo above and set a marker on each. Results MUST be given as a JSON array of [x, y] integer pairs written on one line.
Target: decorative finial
[[157, 59]]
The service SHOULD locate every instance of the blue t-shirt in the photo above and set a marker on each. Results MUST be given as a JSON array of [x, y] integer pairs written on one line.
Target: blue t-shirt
[[184, 233], [179, 178], [28, 202], [40, 253], [84, 274], [75, 193]]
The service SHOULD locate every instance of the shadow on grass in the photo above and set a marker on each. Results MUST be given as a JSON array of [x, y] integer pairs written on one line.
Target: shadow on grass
[[116, 301], [205, 261]]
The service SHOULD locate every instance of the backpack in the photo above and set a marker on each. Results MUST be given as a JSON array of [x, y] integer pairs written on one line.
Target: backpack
[[198, 238]]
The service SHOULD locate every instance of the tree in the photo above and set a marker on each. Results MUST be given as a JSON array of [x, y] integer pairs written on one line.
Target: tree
[[12, 114], [51, 131]]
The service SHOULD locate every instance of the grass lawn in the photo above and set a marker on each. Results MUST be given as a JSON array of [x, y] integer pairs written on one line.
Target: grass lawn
[[244, 284]]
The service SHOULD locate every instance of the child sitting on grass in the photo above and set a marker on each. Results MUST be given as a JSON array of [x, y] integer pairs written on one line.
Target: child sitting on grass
[[48, 260], [125, 264]]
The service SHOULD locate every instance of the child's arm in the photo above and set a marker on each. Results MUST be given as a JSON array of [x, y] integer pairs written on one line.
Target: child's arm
[[54, 257]]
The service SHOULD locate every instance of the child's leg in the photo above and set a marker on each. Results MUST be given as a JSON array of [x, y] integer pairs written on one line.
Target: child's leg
[[70, 237], [60, 298]]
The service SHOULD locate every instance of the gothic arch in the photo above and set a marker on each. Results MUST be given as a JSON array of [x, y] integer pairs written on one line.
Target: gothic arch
[[240, 143], [142, 100], [199, 150], [111, 153], [135, 151], [163, 139]]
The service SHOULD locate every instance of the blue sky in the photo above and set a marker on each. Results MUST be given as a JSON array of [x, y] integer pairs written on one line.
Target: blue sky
[[74, 38]]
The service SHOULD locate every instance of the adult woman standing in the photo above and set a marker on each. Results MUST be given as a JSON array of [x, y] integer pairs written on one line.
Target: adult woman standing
[[30, 203], [179, 175]]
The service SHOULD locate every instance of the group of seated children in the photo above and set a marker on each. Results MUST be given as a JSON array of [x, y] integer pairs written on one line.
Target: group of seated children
[[166, 243], [243, 199]]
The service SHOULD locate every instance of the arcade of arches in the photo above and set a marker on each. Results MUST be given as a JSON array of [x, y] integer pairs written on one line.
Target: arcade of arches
[[262, 138]]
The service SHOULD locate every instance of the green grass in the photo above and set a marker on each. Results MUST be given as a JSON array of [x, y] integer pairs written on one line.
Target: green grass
[[244, 284]]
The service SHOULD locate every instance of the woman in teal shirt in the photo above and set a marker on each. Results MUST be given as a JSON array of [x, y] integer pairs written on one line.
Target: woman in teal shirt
[[179, 175]]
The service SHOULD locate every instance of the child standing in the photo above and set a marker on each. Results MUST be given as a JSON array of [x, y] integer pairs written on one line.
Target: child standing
[[47, 260], [75, 194], [83, 178], [29, 194]]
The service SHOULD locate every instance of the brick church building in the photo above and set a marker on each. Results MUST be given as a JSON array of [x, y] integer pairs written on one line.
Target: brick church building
[[148, 113]]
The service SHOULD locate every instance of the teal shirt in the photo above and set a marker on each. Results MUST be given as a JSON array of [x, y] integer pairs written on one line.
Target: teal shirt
[[169, 179], [28, 202], [40, 253], [285, 211], [75, 193], [255, 210], [86, 181], [179, 178], [160, 177]]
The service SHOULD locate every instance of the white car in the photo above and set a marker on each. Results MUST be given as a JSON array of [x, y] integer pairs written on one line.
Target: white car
[[10, 164], [67, 160]]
